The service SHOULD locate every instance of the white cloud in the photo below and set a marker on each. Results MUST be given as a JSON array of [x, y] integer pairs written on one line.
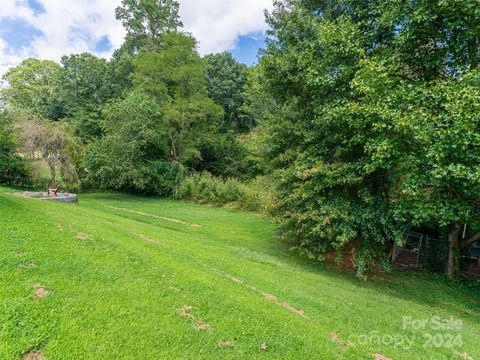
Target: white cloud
[[74, 26], [217, 23]]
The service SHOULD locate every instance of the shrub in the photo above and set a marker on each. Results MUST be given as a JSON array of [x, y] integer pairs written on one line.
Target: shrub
[[13, 170], [206, 188]]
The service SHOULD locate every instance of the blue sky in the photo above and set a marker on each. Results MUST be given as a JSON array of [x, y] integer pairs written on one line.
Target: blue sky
[[48, 29], [247, 47]]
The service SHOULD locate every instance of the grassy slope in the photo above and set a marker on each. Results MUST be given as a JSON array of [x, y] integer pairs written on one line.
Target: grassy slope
[[116, 294]]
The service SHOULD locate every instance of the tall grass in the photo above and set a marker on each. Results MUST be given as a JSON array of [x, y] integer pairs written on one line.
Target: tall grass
[[206, 188]]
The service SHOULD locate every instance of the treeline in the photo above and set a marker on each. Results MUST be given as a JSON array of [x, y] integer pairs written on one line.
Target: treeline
[[361, 118], [138, 122]]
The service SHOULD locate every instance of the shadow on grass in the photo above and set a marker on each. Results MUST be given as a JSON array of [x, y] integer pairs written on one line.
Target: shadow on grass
[[459, 299]]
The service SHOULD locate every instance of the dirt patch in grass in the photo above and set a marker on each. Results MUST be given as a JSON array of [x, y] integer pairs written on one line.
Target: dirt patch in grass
[[82, 236], [202, 326], [36, 355], [185, 311], [174, 289], [285, 305], [41, 292], [226, 344], [149, 240], [233, 278], [293, 310], [465, 356], [336, 338], [268, 296], [155, 216], [382, 357], [29, 265]]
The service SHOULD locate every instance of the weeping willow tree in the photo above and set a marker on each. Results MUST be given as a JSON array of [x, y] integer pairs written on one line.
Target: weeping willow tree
[[54, 143]]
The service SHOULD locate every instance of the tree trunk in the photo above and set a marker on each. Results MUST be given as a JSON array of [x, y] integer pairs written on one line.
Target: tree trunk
[[173, 150], [53, 173], [453, 252]]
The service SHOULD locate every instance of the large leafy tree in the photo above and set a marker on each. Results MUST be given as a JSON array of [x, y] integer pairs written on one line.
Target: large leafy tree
[[133, 154], [147, 20], [346, 74], [33, 86], [226, 79], [86, 82], [441, 179], [174, 76]]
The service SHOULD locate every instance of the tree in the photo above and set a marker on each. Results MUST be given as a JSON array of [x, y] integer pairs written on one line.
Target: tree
[[147, 20], [226, 79], [174, 76], [12, 167], [328, 195], [32, 86], [54, 142], [347, 75], [258, 103], [84, 82], [133, 155], [440, 174]]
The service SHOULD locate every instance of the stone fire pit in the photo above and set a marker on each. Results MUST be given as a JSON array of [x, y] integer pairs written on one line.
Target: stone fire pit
[[63, 197]]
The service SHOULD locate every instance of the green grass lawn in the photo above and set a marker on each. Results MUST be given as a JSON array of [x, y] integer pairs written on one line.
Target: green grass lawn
[[123, 277]]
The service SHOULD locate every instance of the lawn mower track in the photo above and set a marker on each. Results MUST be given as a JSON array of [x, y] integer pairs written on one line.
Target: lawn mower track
[[153, 216], [204, 249], [269, 297]]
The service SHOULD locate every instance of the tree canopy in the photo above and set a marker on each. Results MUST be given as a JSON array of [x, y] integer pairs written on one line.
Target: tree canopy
[[226, 80], [378, 128]]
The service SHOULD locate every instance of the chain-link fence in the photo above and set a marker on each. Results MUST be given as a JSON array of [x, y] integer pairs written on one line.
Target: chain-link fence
[[470, 262], [421, 251]]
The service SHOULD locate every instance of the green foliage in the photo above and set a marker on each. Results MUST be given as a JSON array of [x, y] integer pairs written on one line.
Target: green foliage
[[133, 154], [172, 71], [443, 182], [54, 143], [88, 123], [226, 79], [174, 76], [206, 188], [377, 126], [32, 86], [258, 103], [85, 85], [84, 82], [13, 169], [147, 20]]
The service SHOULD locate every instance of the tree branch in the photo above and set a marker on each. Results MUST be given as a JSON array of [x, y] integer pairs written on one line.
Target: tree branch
[[469, 241]]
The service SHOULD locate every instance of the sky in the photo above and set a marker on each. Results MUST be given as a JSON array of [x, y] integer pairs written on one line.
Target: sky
[[48, 29]]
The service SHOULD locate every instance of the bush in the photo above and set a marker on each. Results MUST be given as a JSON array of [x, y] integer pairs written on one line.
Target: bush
[[206, 188], [133, 155], [13, 170]]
